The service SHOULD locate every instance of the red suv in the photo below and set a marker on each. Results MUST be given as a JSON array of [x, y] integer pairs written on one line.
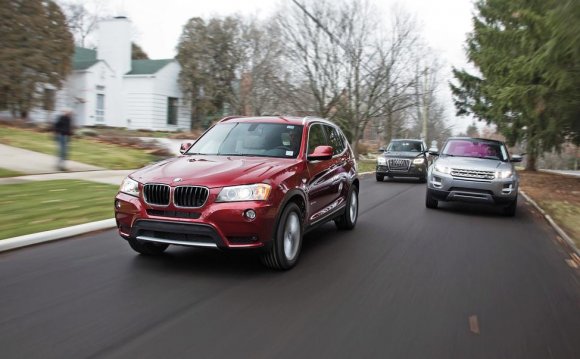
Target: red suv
[[247, 182]]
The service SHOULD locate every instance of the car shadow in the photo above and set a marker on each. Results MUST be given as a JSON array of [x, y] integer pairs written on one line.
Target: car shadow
[[404, 180], [231, 263], [472, 209]]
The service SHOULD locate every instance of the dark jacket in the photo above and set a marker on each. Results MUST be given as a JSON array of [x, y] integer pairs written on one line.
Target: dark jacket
[[63, 125]]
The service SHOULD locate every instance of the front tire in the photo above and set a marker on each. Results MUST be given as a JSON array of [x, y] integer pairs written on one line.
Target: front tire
[[379, 177], [147, 248], [348, 219], [287, 241], [510, 209], [430, 202]]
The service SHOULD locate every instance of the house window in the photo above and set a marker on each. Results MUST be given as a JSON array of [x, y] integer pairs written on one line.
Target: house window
[[172, 111], [100, 110], [48, 99]]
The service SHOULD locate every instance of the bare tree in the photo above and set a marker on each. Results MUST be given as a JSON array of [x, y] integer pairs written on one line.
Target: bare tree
[[357, 70], [81, 20], [313, 56]]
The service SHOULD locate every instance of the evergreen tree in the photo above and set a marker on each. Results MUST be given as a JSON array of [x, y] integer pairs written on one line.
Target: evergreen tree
[[520, 88], [36, 51], [137, 52], [209, 57]]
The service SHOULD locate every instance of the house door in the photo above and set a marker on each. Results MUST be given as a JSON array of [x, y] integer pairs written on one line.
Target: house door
[[100, 112]]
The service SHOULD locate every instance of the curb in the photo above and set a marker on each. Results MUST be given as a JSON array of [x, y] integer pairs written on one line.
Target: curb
[[556, 227], [572, 175], [41, 237]]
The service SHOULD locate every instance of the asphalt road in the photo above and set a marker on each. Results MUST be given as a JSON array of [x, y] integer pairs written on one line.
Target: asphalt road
[[408, 282]]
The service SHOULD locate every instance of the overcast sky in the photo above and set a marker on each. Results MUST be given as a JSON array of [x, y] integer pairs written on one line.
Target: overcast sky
[[158, 25]]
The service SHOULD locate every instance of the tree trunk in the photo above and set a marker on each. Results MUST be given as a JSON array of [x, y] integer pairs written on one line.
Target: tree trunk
[[531, 156]]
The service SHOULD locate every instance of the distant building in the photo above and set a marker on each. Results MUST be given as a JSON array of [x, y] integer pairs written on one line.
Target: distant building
[[107, 88]]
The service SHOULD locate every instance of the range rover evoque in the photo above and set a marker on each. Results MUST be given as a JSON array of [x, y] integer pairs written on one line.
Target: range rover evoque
[[246, 183], [474, 170]]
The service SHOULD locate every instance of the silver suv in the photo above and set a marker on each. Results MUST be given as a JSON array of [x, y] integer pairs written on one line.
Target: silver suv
[[473, 170]]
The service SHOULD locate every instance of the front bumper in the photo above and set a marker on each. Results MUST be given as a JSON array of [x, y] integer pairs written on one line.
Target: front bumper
[[444, 187], [413, 171], [218, 225]]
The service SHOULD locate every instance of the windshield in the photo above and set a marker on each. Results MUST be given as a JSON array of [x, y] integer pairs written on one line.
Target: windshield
[[404, 146], [476, 149], [250, 139]]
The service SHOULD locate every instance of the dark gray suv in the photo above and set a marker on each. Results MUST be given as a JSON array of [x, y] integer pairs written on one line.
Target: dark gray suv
[[403, 158], [474, 170]]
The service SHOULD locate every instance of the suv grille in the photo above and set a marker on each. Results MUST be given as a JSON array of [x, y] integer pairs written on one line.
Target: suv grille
[[190, 196], [156, 194], [474, 174], [397, 164]]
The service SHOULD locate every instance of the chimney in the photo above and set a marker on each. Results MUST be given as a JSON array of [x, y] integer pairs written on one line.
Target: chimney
[[114, 44]]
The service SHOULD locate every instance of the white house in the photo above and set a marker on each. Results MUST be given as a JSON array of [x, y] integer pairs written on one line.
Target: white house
[[107, 88]]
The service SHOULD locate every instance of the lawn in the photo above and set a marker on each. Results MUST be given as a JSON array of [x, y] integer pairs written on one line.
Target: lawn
[[83, 150], [8, 173], [366, 166], [558, 195], [41, 206]]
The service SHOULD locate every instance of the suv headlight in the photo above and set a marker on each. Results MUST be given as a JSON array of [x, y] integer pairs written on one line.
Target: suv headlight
[[130, 186], [442, 169], [381, 161], [253, 192], [418, 161], [503, 174]]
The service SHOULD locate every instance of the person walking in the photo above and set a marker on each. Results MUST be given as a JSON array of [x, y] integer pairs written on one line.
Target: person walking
[[63, 131]]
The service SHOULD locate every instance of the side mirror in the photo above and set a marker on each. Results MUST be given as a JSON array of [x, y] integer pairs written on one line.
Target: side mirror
[[184, 147], [517, 158], [321, 153], [381, 149], [434, 151]]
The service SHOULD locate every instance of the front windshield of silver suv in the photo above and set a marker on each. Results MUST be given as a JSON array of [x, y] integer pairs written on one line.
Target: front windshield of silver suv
[[476, 149]]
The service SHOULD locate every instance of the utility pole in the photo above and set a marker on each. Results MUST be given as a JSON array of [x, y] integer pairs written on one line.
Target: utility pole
[[426, 101]]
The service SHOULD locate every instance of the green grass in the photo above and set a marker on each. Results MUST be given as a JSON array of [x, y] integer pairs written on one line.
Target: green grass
[[8, 173], [82, 150], [566, 214], [41, 206], [366, 166]]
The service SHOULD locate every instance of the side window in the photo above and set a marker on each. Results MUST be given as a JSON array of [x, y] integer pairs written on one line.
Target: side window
[[335, 140], [315, 137]]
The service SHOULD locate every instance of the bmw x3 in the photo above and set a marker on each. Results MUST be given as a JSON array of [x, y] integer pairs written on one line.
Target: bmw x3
[[247, 183]]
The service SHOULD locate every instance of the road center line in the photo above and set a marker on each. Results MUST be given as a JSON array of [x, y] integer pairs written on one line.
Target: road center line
[[474, 324]]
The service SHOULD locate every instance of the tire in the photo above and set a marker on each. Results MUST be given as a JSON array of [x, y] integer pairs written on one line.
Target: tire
[[379, 177], [510, 209], [287, 242], [348, 219], [430, 202], [147, 248], [423, 179]]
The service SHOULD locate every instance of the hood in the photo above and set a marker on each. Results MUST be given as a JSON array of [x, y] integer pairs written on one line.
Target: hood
[[480, 164], [212, 171], [402, 154]]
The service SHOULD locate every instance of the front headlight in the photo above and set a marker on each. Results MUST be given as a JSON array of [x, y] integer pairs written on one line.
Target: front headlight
[[442, 169], [381, 161], [418, 161], [503, 174], [130, 186], [253, 192]]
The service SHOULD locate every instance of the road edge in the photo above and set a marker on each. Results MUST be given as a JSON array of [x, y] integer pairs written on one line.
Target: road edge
[[554, 225], [55, 234]]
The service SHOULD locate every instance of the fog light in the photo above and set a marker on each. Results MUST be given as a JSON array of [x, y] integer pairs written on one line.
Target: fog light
[[250, 214], [436, 182]]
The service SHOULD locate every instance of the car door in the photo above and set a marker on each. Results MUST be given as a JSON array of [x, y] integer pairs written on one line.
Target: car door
[[324, 181]]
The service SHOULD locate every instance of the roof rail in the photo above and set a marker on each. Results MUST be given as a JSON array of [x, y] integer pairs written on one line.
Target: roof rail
[[229, 118]]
